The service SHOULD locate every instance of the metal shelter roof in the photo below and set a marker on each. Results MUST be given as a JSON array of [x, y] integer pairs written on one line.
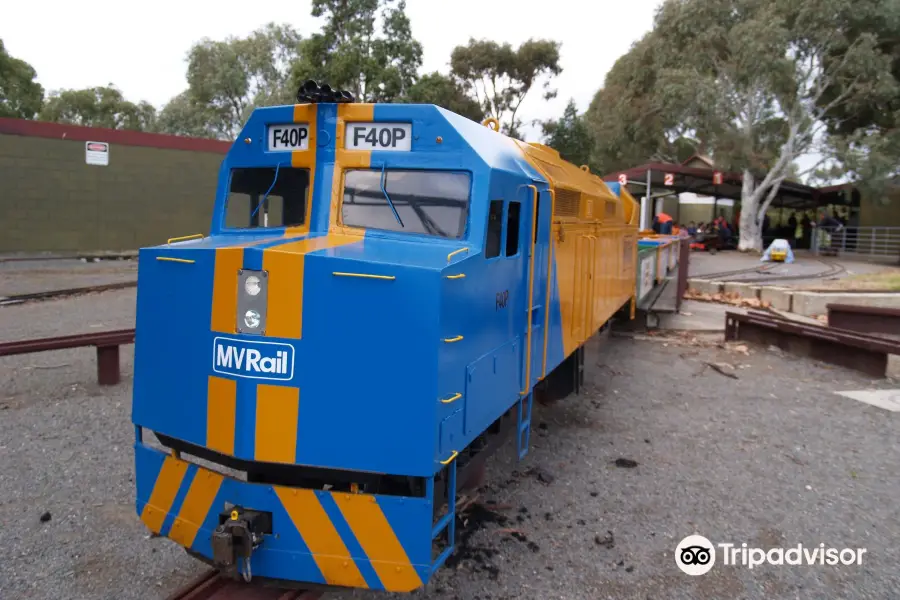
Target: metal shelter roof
[[722, 184]]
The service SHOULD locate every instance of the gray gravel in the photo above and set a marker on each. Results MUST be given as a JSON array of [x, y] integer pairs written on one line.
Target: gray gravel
[[774, 458]]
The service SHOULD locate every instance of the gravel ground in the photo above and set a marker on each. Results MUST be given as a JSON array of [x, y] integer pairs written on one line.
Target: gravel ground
[[776, 461], [29, 277]]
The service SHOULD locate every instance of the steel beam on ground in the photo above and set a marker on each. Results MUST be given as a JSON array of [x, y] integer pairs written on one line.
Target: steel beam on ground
[[868, 354], [106, 342], [864, 319]]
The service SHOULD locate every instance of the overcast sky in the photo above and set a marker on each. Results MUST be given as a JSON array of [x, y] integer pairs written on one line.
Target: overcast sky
[[142, 47]]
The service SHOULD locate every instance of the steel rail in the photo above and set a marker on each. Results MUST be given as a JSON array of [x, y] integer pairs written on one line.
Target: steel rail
[[20, 298], [864, 319], [869, 353], [725, 274], [832, 270], [213, 586]]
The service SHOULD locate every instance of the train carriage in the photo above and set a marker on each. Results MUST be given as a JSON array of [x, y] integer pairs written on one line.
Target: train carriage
[[383, 290]]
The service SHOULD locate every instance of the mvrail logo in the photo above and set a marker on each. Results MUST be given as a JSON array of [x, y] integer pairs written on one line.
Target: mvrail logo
[[696, 555], [253, 360]]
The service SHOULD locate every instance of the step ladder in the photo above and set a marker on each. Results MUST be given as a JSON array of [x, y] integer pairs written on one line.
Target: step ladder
[[523, 426], [448, 521]]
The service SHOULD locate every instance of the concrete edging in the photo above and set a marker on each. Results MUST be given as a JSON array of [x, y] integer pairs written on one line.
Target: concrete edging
[[805, 303]]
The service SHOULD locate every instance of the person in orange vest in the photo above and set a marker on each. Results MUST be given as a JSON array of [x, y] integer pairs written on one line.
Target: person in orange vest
[[665, 223]]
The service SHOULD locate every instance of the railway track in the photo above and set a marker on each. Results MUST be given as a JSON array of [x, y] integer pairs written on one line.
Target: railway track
[[213, 586], [832, 270], [765, 272], [726, 274], [48, 295]]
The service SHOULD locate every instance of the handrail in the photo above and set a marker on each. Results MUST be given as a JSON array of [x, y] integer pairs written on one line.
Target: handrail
[[363, 275], [178, 260], [183, 238], [455, 252], [593, 290], [452, 398], [549, 280], [527, 386]]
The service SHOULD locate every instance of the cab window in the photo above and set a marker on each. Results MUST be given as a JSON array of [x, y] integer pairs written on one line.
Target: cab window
[[257, 198], [411, 201]]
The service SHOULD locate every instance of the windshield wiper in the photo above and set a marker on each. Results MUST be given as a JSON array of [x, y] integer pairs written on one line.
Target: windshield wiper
[[388, 198], [269, 191]]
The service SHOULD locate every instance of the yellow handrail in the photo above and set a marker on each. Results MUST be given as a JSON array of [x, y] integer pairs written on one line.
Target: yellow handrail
[[460, 276], [452, 340], [185, 237], [592, 294], [364, 275], [455, 252], [178, 260], [530, 298], [452, 398], [549, 279], [450, 460]]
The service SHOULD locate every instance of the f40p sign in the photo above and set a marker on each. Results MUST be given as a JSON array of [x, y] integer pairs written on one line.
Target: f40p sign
[[390, 137]]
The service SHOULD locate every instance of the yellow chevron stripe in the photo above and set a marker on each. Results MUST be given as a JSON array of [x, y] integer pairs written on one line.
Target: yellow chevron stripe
[[164, 490], [378, 540], [221, 408], [325, 544], [277, 408], [196, 506]]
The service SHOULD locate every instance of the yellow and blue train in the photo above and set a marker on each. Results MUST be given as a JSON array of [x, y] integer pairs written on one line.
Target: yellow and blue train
[[383, 291]]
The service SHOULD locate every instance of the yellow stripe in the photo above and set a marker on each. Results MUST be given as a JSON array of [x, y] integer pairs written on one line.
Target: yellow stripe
[[347, 159], [225, 284], [164, 490], [285, 265], [325, 544], [221, 406], [277, 408], [305, 159], [378, 541], [196, 506]]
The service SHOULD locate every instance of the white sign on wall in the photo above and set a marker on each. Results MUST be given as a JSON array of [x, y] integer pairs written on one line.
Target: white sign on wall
[[96, 153]]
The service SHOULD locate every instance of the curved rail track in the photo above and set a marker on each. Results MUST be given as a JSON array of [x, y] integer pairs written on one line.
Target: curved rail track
[[213, 586], [727, 274], [766, 275]]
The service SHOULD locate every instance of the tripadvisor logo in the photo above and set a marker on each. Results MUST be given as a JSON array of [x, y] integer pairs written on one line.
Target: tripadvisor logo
[[696, 555]]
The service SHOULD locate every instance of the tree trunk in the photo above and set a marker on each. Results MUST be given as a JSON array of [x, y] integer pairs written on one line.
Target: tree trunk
[[750, 236]]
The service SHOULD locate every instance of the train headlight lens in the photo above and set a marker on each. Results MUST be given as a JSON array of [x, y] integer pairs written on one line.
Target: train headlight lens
[[251, 285], [251, 319]]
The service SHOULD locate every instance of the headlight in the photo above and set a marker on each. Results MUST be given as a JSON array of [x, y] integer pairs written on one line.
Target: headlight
[[251, 285], [251, 319]]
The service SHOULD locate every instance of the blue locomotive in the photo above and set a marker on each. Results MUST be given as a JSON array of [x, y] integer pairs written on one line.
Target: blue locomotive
[[383, 291]]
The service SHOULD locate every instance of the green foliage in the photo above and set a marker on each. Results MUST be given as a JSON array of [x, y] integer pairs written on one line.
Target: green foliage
[[627, 117], [228, 79], [184, 115], [747, 79], [20, 95], [570, 136], [98, 107], [500, 77], [348, 54], [435, 88]]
